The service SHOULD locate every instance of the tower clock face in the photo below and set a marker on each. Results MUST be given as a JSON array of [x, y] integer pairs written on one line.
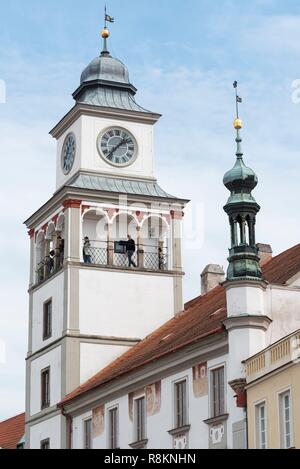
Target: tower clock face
[[117, 146], [68, 153]]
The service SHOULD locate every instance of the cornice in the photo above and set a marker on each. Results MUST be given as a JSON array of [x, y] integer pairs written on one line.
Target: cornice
[[97, 111], [247, 321], [247, 282], [92, 195]]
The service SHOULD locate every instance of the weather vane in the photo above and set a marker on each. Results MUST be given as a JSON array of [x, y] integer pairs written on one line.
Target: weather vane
[[107, 18], [238, 122]]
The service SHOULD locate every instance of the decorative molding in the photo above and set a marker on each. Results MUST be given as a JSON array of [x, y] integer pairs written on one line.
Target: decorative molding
[[111, 212], [247, 321], [176, 215], [239, 387], [84, 208], [55, 218], [139, 444], [140, 215], [216, 420], [246, 282], [180, 430], [98, 111], [72, 203], [88, 339], [31, 233]]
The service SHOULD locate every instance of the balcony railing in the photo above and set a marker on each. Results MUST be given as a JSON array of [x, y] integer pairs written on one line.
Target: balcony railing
[[146, 257], [101, 254], [283, 352], [49, 266]]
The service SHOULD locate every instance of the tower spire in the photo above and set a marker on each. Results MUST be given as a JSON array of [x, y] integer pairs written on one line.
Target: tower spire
[[242, 209], [105, 32], [238, 123]]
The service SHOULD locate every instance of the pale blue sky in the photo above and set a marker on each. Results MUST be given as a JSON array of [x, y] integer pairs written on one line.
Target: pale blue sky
[[183, 56]]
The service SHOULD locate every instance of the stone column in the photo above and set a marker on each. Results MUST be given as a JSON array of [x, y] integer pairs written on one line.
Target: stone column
[[73, 241], [32, 258], [140, 248], [110, 244], [176, 226], [176, 240]]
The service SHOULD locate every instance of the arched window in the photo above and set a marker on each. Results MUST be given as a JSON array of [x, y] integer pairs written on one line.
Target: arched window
[[155, 233], [40, 253], [95, 237]]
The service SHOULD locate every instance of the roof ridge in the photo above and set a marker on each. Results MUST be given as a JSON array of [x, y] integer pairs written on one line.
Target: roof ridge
[[12, 418]]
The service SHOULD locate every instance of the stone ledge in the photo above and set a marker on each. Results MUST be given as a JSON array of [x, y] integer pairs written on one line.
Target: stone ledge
[[216, 420], [139, 444], [180, 430], [247, 321]]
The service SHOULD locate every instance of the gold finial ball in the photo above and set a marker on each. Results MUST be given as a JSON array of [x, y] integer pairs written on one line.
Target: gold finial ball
[[105, 33], [238, 124]]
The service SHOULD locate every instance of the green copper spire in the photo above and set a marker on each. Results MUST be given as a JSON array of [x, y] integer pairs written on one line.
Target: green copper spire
[[242, 209]]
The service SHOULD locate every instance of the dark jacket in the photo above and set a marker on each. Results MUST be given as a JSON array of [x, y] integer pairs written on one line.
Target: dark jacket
[[130, 245]]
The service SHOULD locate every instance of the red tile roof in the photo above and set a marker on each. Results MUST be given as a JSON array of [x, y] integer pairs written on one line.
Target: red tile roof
[[202, 317], [282, 268], [11, 432]]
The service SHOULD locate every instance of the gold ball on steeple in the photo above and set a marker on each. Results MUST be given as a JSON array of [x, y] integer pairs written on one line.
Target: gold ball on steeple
[[105, 33], [238, 124]]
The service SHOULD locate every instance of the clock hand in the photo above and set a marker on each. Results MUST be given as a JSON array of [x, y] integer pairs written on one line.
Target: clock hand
[[117, 146]]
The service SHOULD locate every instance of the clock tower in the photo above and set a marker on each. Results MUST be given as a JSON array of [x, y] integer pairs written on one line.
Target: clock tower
[[105, 265]]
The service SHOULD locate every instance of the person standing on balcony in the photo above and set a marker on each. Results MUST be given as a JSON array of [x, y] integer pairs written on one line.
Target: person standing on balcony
[[130, 248], [61, 250], [87, 254]]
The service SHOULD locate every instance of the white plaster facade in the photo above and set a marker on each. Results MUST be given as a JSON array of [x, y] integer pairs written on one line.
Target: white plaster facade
[[87, 129]]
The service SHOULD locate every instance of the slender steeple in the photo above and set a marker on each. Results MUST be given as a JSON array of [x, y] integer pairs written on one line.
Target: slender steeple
[[105, 33], [242, 209]]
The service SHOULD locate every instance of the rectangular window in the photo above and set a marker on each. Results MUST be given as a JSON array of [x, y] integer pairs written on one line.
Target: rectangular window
[[180, 404], [45, 444], [113, 428], [285, 420], [217, 392], [47, 320], [45, 388], [261, 426], [88, 434], [140, 419]]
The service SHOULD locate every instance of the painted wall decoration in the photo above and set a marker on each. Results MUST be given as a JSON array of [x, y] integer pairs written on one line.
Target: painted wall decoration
[[200, 380], [153, 394], [153, 399], [131, 397], [98, 421]]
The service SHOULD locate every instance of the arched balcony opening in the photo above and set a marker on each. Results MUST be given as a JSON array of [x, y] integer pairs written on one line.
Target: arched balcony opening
[[155, 235], [105, 242], [40, 253], [95, 238], [251, 230], [124, 225], [60, 241]]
